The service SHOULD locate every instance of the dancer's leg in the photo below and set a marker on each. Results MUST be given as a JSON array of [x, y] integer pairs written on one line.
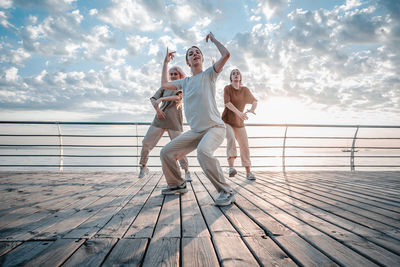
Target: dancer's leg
[[151, 139]]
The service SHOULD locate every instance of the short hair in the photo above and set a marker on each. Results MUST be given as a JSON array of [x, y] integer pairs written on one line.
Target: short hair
[[230, 75], [187, 51]]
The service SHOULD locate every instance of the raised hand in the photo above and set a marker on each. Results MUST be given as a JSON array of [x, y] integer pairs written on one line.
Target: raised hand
[[211, 37], [169, 56]]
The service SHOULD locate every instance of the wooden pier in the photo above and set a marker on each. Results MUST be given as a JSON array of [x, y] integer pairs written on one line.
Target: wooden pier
[[307, 218]]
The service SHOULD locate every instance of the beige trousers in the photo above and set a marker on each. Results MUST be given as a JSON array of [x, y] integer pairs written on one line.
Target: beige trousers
[[151, 139], [241, 136], [206, 143]]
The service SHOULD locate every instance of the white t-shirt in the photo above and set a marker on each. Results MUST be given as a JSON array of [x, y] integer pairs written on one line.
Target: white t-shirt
[[199, 100]]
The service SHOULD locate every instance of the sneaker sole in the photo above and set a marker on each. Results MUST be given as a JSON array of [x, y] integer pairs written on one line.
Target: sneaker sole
[[233, 174], [180, 191], [227, 203]]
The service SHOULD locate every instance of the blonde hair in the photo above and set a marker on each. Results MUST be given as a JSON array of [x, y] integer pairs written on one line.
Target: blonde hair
[[179, 103], [179, 70]]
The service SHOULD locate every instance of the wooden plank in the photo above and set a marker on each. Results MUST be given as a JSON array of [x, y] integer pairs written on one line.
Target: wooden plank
[[339, 228], [198, 251], [24, 253], [323, 209], [359, 214], [169, 222], [92, 252], [193, 224], [71, 219], [56, 253], [20, 227], [127, 252], [299, 250], [143, 225], [162, 252], [268, 252], [242, 223], [121, 221], [215, 219], [300, 224], [233, 252], [303, 252], [5, 247], [311, 188]]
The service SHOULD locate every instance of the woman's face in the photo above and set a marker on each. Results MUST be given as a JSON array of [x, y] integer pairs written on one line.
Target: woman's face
[[236, 76], [194, 57], [174, 75]]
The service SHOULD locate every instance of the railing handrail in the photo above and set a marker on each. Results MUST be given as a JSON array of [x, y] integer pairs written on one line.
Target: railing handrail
[[185, 124]]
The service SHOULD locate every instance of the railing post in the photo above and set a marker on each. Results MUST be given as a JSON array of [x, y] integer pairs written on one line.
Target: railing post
[[137, 147], [61, 168], [352, 166], [283, 151]]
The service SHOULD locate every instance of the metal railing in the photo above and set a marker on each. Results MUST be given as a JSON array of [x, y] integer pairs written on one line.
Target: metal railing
[[13, 127]]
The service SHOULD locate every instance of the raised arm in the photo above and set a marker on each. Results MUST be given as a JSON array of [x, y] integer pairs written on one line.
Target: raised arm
[[164, 75], [219, 65], [169, 98], [169, 86]]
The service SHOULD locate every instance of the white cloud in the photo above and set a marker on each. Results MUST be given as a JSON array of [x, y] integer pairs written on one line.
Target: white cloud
[[4, 21], [128, 15], [93, 12], [51, 5], [11, 74], [137, 43], [16, 57], [114, 56], [272, 7], [6, 4]]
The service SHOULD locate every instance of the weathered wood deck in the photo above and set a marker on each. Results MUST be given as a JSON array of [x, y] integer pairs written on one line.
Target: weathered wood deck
[[294, 218]]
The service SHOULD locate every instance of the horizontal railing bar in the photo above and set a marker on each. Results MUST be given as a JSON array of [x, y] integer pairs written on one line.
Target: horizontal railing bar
[[224, 166], [166, 136], [189, 156], [252, 147], [247, 124]]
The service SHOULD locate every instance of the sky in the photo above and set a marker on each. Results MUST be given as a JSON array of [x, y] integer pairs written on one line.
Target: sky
[[306, 61]]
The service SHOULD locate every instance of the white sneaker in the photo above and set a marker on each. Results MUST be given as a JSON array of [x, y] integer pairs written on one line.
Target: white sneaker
[[232, 172], [143, 171], [250, 176], [225, 199], [188, 178]]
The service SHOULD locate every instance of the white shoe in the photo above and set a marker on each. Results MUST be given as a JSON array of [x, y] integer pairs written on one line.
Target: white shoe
[[232, 172], [225, 199], [143, 171], [250, 176], [188, 178]]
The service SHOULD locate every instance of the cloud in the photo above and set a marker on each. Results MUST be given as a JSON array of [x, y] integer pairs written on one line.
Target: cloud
[[54, 6], [4, 21], [130, 15], [54, 36], [6, 4], [271, 8], [16, 57]]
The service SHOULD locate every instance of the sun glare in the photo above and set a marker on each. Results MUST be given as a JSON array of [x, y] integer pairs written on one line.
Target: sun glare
[[286, 110]]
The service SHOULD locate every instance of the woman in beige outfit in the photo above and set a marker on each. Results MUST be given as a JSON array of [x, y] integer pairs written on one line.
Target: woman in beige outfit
[[168, 118], [236, 96]]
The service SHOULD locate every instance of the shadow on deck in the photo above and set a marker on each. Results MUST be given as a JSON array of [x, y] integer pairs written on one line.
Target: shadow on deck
[[310, 218]]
